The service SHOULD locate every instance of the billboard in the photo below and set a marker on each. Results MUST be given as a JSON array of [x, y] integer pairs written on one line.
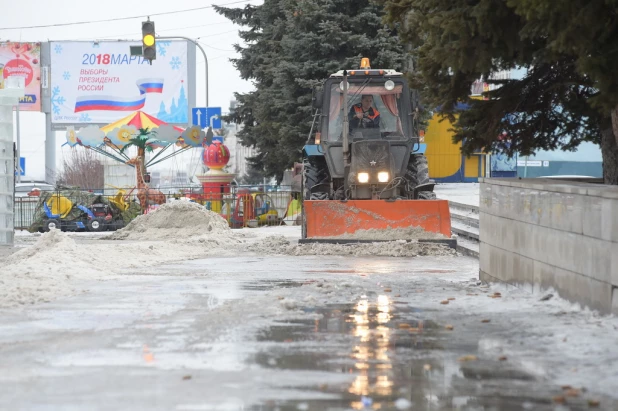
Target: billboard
[[23, 60], [100, 82]]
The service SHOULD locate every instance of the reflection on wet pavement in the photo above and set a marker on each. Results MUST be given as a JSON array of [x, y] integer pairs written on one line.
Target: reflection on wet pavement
[[400, 361]]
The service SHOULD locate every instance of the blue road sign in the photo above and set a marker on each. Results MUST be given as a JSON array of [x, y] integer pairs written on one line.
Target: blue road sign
[[22, 166], [206, 117]]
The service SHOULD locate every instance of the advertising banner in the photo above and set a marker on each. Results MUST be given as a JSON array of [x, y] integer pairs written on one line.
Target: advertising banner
[[100, 82], [23, 60]]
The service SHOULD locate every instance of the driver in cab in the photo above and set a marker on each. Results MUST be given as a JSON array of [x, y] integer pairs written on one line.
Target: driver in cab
[[363, 115]]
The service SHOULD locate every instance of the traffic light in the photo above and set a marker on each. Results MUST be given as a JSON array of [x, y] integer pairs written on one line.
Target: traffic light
[[148, 40]]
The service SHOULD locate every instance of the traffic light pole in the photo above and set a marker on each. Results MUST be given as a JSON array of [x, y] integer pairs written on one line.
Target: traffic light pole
[[198, 46]]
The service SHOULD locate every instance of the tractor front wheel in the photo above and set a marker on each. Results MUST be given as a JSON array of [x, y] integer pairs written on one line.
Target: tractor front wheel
[[418, 174], [316, 180]]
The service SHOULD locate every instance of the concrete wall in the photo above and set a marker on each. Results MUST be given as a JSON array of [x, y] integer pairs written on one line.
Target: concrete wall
[[539, 233]]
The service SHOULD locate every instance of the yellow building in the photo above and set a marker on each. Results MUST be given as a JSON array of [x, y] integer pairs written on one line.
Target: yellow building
[[446, 162]]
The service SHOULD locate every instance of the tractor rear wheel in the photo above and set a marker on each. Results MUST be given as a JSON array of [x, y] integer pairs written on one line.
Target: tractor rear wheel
[[316, 180], [418, 174]]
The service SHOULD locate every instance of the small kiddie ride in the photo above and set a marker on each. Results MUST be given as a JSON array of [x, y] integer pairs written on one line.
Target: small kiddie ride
[[62, 214], [251, 210]]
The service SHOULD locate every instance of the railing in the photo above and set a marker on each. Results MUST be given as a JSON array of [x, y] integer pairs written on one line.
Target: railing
[[242, 206]]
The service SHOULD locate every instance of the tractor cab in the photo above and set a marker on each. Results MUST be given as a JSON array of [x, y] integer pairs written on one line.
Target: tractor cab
[[364, 154], [379, 107]]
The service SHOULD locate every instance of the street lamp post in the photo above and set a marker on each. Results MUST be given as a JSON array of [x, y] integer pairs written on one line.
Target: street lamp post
[[198, 46]]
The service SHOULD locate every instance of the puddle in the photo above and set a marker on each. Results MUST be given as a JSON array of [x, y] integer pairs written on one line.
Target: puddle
[[399, 359]]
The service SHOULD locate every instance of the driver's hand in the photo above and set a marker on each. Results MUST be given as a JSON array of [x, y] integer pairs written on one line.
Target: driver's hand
[[359, 116]]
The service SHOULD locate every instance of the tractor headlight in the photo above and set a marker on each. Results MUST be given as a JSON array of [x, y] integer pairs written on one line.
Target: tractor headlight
[[383, 177], [363, 177]]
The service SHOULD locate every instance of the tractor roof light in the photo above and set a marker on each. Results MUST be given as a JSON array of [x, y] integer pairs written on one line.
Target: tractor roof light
[[365, 63], [363, 177], [389, 85]]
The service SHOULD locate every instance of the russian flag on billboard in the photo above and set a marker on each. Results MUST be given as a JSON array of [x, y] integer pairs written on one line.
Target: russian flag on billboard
[[113, 103]]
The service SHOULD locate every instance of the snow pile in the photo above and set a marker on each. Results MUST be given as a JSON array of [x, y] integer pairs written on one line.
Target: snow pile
[[42, 272], [407, 233], [177, 221], [280, 245]]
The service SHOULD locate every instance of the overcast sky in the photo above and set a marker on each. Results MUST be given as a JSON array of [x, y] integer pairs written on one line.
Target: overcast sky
[[215, 33]]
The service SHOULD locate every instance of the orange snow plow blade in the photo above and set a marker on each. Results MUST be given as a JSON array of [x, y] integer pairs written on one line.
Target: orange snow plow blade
[[334, 218]]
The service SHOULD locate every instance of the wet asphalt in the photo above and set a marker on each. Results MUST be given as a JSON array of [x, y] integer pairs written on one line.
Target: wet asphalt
[[210, 335]]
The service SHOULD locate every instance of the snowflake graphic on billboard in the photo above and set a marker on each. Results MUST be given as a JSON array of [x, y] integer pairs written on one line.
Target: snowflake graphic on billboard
[[57, 100], [175, 63], [84, 118], [58, 49], [66, 75], [162, 47]]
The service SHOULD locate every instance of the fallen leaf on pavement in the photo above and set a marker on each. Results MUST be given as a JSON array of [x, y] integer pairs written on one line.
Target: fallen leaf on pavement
[[502, 358], [444, 302], [387, 290], [466, 358], [186, 377], [566, 387], [404, 325], [572, 392], [451, 298], [280, 298], [559, 399], [397, 295], [485, 321], [449, 327], [594, 403]]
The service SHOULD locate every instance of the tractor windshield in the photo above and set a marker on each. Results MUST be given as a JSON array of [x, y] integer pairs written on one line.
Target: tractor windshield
[[373, 110]]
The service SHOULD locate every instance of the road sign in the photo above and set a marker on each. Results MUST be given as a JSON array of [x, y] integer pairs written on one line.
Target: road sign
[[22, 166], [206, 117]]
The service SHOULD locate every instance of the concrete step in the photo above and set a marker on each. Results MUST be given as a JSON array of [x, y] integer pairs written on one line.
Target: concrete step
[[468, 219], [463, 230], [468, 247], [462, 208]]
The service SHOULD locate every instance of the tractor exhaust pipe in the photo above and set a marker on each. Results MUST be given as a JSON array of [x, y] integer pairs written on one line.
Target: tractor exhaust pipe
[[346, 133]]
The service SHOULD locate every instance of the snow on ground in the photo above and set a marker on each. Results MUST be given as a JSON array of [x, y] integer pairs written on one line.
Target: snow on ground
[[49, 266], [464, 193]]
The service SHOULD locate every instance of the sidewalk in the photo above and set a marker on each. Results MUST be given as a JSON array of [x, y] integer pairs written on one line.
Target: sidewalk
[[464, 193]]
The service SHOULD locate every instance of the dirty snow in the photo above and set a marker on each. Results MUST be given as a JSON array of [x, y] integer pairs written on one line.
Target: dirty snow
[[177, 220], [280, 245], [390, 233], [51, 265]]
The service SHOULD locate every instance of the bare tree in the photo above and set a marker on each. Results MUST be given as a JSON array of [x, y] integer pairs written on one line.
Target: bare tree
[[83, 169]]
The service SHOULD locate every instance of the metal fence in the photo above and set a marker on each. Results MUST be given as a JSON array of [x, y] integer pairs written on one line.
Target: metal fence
[[242, 206]]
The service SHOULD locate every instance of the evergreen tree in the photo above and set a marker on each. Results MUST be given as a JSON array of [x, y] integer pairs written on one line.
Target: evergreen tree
[[292, 46], [569, 93]]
